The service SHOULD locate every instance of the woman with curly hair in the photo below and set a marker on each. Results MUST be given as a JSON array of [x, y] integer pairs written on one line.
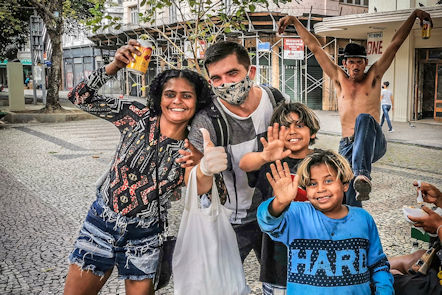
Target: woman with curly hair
[[124, 225]]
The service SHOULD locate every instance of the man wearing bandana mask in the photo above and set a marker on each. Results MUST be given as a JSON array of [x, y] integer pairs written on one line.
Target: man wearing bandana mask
[[234, 93], [247, 109]]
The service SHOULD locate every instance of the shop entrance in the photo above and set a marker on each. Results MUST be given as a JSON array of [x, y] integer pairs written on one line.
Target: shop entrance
[[428, 100], [438, 94]]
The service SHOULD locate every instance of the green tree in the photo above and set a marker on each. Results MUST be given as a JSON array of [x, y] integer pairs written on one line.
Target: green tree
[[199, 21], [57, 16], [14, 26]]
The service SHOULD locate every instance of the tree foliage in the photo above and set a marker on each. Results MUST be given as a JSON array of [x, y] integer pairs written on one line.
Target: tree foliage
[[14, 24], [57, 16]]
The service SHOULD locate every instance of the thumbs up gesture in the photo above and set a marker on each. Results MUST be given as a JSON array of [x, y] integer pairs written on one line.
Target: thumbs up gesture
[[215, 158]]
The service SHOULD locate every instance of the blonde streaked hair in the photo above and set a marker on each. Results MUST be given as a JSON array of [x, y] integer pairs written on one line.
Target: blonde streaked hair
[[331, 160]]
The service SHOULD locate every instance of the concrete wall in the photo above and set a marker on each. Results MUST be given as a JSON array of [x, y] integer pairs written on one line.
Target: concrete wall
[[392, 5], [327, 7]]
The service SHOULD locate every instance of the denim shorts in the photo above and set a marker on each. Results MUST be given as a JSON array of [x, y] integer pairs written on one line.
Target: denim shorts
[[108, 239]]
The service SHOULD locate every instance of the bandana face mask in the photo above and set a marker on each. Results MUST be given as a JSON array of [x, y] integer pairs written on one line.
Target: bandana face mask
[[234, 93]]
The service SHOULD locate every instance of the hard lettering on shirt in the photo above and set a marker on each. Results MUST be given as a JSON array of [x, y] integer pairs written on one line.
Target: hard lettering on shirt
[[337, 262], [344, 259]]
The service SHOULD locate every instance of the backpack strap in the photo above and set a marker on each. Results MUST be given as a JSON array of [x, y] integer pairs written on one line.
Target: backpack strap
[[219, 122], [275, 95]]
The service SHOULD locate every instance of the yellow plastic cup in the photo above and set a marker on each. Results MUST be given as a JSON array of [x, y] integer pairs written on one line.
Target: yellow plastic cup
[[141, 62]]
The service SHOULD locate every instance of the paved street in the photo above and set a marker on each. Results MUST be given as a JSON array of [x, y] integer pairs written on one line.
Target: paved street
[[47, 177]]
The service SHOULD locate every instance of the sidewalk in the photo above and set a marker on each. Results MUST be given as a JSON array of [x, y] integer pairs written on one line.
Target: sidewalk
[[425, 133], [31, 113]]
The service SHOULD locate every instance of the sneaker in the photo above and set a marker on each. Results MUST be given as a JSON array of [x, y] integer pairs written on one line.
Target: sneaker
[[391, 130], [362, 186]]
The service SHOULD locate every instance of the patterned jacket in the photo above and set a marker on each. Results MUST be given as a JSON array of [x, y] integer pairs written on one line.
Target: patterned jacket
[[129, 186]]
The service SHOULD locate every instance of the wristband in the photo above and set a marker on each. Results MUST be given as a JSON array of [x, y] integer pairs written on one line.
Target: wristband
[[203, 169]]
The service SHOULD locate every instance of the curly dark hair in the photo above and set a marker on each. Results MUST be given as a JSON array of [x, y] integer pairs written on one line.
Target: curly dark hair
[[202, 89]]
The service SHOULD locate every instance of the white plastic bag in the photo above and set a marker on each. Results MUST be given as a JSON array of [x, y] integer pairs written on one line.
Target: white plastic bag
[[206, 259]]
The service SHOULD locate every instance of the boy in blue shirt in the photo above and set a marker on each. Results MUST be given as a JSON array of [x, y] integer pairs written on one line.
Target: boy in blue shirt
[[337, 249]]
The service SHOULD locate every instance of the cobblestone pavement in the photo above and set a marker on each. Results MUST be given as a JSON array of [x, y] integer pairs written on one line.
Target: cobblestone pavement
[[47, 177]]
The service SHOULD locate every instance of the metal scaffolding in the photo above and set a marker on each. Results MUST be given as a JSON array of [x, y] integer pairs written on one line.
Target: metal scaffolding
[[294, 77]]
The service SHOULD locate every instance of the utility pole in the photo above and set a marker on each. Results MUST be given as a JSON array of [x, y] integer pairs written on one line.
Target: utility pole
[[37, 58]]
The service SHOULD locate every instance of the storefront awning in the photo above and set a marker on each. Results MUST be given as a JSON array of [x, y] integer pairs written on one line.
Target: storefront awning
[[25, 62]]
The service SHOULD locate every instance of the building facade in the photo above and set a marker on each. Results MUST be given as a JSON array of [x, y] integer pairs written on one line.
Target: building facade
[[297, 75], [415, 75], [81, 56]]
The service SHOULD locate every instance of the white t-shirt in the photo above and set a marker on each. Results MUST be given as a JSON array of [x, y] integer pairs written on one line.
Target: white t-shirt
[[386, 97], [245, 133]]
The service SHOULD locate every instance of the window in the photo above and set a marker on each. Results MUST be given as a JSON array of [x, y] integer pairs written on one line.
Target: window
[[133, 15], [172, 13], [355, 2]]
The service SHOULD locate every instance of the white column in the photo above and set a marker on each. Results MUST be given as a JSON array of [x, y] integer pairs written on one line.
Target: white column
[[16, 86], [403, 80]]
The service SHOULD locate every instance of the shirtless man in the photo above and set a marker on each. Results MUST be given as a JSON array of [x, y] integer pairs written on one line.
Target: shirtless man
[[358, 93]]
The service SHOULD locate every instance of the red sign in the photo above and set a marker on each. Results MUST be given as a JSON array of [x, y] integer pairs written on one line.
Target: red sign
[[293, 48], [374, 47]]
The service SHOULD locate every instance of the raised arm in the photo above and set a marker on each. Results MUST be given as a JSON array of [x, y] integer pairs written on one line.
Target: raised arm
[[85, 94], [272, 214], [327, 65], [381, 65], [284, 188], [85, 91], [123, 56], [273, 150]]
